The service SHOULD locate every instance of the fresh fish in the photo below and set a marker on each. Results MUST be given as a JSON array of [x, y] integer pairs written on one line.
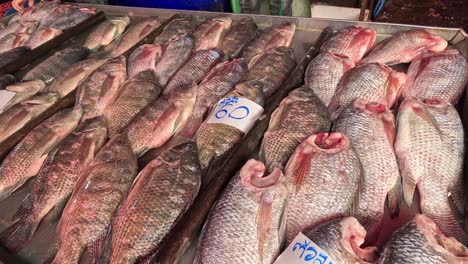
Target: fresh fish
[[69, 80], [324, 73], [442, 75], [209, 33], [11, 56], [56, 64], [135, 34], [39, 11], [95, 199], [24, 91], [215, 141], [27, 27], [281, 7], [5, 80], [241, 33], [164, 117], [352, 42], [249, 6], [57, 12], [136, 94], [26, 159], [179, 26], [420, 241], [176, 52], [371, 129], [41, 36], [325, 169], [374, 82], [404, 47], [430, 150], [56, 180], [341, 239], [300, 115], [280, 35], [272, 68], [194, 70], [218, 82], [247, 223], [12, 41], [101, 88], [106, 32], [20, 114], [67, 19], [143, 58], [165, 189]]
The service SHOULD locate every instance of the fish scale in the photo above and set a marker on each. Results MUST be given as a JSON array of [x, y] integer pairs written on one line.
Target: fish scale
[[135, 34], [106, 32], [165, 189], [179, 26], [143, 58], [241, 33], [41, 36], [209, 33]]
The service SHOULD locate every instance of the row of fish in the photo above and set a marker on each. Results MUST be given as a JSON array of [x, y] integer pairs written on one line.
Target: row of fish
[[41, 23]]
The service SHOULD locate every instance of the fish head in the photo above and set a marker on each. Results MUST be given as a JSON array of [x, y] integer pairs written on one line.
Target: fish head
[[326, 142], [353, 235], [223, 21], [252, 90], [186, 93], [379, 111], [45, 99], [96, 127], [395, 83], [436, 43], [66, 120], [364, 38], [28, 86], [285, 27], [255, 179], [185, 155]]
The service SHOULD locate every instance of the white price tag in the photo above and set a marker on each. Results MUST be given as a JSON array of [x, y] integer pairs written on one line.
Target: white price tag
[[237, 112], [303, 250], [5, 97]]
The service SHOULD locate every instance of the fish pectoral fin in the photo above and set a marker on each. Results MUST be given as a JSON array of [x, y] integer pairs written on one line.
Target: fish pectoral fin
[[282, 225], [24, 209], [456, 202], [55, 213], [264, 216], [409, 186], [394, 198]]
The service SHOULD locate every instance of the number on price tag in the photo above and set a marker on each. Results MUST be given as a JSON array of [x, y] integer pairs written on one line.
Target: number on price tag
[[237, 112], [303, 250]]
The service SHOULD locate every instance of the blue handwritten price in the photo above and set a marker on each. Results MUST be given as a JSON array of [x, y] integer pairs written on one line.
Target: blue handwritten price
[[237, 112], [312, 255], [303, 250]]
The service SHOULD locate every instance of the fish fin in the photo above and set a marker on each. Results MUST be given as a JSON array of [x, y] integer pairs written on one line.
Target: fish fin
[[107, 92], [55, 213], [282, 225], [17, 235], [300, 174], [24, 209], [264, 223], [394, 198], [408, 190], [52, 251], [456, 199]]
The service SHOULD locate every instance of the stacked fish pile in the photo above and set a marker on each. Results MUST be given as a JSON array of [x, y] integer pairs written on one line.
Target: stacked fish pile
[[131, 98], [40, 24], [335, 149]]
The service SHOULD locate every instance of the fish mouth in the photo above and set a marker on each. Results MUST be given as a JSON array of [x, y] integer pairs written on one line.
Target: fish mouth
[[370, 107], [330, 142], [253, 176], [353, 236]]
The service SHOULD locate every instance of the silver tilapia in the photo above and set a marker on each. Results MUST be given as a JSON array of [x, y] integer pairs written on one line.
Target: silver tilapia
[[404, 47], [13, 40], [106, 32], [65, 17], [272, 68], [135, 95], [95, 199], [20, 114], [101, 88], [38, 11], [300, 115], [241, 33], [143, 58], [56, 180], [325, 169], [247, 223], [215, 141], [442, 75], [26, 159], [41, 36], [70, 79], [324, 73], [23, 91], [27, 27], [194, 70], [135, 34], [374, 82], [218, 82], [341, 240], [371, 129], [280, 35], [179, 26], [209, 33], [420, 241], [352, 42], [164, 117], [56, 64], [165, 189], [430, 151], [176, 52]]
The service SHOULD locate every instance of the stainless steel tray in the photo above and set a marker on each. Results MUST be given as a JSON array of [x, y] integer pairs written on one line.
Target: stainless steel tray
[[307, 33]]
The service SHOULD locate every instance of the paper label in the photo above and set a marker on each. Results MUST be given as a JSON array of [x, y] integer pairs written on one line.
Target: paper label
[[237, 112], [5, 97], [303, 250]]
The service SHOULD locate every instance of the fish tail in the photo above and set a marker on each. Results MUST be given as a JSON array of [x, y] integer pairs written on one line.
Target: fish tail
[[17, 235], [394, 198], [264, 223], [408, 190]]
